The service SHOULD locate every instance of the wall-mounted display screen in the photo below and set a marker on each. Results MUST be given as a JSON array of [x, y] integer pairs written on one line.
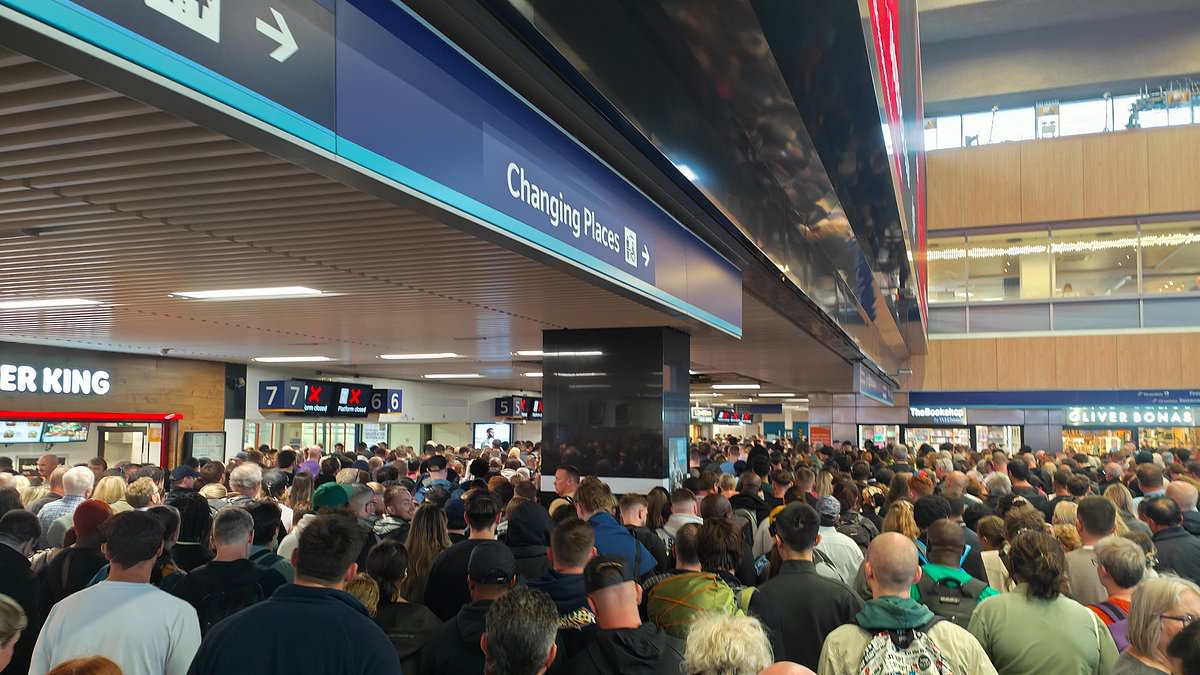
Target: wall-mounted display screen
[[484, 433], [20, 432], [65, 432]]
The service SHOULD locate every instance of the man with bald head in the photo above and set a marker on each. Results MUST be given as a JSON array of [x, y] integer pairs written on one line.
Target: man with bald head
[[1185, 494], [955, 485], [942, 575], [56, 491], [891, 569]]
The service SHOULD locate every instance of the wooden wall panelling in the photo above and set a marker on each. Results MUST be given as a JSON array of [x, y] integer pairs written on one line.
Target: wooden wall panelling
[[1149, 361], [1189, 359], [943, 197], [1025, 363], [968, 365], [1085, 362], [991, 184], [1052, 179], [1174, 161], [1116, 180]]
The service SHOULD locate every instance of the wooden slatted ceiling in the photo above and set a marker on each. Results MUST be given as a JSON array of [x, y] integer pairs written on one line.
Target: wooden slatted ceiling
[[102, 197]]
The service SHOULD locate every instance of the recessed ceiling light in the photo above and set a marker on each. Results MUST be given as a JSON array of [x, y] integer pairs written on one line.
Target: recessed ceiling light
[[251, 293], [736, 386], [291, 359], [538, 352], [452, 376], [37, 304], [419, 357], [776, 395], [797, 400], [703, 395], [532, 374]]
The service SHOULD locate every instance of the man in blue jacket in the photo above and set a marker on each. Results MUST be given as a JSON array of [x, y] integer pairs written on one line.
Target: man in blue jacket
[[352, 642], [593, 503]]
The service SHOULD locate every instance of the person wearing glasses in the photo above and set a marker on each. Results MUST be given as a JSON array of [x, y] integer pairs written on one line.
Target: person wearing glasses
[[1161, 608]]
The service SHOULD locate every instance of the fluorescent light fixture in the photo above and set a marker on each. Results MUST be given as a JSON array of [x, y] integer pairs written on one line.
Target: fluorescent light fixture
[[692, 372], [291, 359], [532, 374], [797, 400], [538, 352], [776, 395], [703, 395], [736, 386], [251, 293], [581, 374], [453, 376], [419, 357], [39, 304]]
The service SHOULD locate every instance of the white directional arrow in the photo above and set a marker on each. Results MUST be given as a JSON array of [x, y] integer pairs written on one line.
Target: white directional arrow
[[282, 35], [645, 256]]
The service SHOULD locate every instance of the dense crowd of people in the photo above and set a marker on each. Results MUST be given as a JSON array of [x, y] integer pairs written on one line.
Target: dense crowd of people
[[768, 558]]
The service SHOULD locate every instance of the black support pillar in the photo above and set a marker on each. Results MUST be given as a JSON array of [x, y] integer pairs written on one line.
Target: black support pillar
[[616, 405]]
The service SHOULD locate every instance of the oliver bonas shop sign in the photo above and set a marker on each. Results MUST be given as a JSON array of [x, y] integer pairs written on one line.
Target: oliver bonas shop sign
[[1176, 417]]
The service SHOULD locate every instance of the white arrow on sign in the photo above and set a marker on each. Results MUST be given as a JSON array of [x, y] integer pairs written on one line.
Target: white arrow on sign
[[645, 256], [282, 35]]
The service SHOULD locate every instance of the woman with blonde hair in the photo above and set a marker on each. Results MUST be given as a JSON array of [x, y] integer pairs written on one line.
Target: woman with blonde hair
[[824, 484], [900, 519], [1161, 608], [1065, 513], [110, 490], [427, 537], [725, 644], [33, 493], [1127, 520], [12, 622]]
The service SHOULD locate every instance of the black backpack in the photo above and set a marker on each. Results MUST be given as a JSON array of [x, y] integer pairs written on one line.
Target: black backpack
[[224, 601], [949, 600], [858, 528], [266, 558]]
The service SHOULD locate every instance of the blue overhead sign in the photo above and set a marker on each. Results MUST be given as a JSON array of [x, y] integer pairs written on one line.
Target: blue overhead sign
[[1057, 399], [371, 83]]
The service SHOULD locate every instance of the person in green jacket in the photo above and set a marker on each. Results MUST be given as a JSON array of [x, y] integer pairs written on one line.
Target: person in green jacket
[[943, 564], [891, 568], [1036, 628]]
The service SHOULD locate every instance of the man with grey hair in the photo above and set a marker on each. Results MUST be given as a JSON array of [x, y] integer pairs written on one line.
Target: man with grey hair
[[230, 582], [244, 483], [519, 639], [1121, 565], [891, 568], [900, 459], [77, 486], [1185, 494], [998, 485]]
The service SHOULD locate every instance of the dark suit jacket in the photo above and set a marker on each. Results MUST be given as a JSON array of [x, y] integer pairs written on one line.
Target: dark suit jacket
[[18, 582]]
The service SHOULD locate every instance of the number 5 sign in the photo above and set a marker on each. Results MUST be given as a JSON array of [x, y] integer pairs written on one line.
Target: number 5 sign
[[387, 400]]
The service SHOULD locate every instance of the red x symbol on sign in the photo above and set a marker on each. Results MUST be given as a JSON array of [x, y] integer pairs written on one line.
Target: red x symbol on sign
[[355, 397], [314, 394]]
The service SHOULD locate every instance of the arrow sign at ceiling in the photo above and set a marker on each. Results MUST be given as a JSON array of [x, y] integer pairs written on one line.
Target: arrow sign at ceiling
[[282, 35], [645, 255]]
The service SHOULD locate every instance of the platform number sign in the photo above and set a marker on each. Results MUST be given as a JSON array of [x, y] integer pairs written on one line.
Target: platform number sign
[[281, 396], [387, 400]]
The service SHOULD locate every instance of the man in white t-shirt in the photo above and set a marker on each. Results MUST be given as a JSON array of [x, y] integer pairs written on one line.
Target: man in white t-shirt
[[144, 630], [842, 552]]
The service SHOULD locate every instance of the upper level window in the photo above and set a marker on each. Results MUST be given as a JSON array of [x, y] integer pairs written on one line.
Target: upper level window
[[1095, 261], [1171, 257]]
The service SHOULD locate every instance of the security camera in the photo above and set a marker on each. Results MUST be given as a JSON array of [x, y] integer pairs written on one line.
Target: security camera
[[164, 351]]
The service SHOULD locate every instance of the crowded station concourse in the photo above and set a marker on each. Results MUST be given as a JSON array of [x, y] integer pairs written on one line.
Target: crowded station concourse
[[226, 601], [511, 337]]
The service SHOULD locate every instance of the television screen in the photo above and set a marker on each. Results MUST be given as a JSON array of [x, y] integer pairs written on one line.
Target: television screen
[[20, 432], [65, 432], [484, 433]]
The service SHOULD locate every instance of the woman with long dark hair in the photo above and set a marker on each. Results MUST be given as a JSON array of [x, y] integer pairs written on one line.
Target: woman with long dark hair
[[408, 625], [1036, 628]]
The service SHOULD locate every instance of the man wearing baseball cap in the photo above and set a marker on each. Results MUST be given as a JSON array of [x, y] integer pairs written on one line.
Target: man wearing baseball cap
[[455, 648], [841, 550], [623, 643]]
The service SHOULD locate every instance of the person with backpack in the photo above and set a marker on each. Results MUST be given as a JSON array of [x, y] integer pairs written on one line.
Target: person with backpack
[[684, 509], [264, 638], [798, 605], [676, 602], [633, 509], [230, 582], [895, 635], [839, 548], [945, 587], [1121, 565]]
